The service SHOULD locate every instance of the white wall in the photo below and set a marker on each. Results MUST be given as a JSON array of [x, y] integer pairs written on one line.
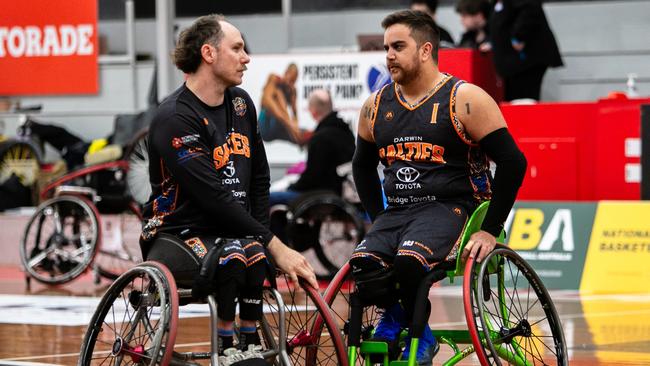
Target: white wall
[[601, 42]]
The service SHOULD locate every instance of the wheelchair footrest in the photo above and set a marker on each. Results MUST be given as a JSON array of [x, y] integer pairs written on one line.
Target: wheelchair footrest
[[370, 347]]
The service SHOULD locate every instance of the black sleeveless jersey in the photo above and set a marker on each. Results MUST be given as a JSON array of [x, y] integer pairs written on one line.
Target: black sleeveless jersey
[[425, 150]]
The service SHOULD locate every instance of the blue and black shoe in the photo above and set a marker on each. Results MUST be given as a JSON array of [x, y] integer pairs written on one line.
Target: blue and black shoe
[[388, 330], [428, 347]]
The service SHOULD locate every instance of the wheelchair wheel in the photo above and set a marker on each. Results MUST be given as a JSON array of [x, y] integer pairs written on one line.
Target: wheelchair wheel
[[137, 178], [60, 239], [510, 315], [328, 224], [301, 308], [340, 232], [136, 320], [337, 297], [120, 248], [19, 158]]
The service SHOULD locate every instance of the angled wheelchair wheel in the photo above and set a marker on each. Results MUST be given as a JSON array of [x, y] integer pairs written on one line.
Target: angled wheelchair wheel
[[511, 317], [136, 320], [20, 158], [337, 297], [301, 308], [137, 178], [60, 239]]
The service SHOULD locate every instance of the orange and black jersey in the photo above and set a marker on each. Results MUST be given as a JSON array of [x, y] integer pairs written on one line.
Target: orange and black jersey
[[425, 150], [208, 168]]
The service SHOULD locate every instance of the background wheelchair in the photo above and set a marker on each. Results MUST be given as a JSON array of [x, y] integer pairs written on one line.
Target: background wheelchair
[[137, 319], [330, 224], [510, 316], [64, 236]]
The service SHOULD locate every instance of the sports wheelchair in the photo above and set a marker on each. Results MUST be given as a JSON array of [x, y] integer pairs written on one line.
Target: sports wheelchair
[[137, 319], [330, 224], [510, 316], [63, 238]]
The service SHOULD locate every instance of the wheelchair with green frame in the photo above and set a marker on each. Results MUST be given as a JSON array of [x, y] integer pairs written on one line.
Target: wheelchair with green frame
[[510, 316], [137, 319]]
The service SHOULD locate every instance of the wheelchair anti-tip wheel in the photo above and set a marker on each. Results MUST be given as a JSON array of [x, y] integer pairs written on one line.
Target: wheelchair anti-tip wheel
[[301, 309], [60, 239], [511, 317], [136, 320]]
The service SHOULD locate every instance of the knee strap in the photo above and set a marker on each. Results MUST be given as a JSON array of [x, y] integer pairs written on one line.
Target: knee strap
[[376, 287], [206, 279]]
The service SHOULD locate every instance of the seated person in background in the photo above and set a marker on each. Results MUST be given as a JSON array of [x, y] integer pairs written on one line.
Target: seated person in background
[[430, 7], [278, 118], [331, 145], [474, 15], [210, 178]]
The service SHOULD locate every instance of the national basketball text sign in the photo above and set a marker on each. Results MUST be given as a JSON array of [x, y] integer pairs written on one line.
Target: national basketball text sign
[[48, 47]]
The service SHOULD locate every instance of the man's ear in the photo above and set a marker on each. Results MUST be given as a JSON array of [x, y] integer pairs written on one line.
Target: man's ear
[[209, 53], [425, 50]]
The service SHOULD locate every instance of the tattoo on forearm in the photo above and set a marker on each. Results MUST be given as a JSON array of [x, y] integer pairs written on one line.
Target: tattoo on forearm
[[368, 112], [467, 105]]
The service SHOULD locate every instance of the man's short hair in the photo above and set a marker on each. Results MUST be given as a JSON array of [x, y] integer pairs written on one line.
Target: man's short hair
[[205, 30], [473, 7], [423, 28], [431, 4]]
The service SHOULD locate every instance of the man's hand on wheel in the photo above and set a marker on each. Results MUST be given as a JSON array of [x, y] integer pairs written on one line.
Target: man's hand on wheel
[[480, 244], [292, 263]]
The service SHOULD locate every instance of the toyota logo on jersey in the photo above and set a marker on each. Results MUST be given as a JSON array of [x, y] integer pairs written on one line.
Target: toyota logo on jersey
[[408, 174]]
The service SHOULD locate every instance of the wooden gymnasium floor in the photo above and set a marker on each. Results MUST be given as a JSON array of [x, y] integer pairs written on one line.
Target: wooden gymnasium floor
[[600, 330]]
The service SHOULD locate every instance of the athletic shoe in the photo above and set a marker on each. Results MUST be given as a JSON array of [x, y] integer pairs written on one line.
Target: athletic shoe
[[428, 347]]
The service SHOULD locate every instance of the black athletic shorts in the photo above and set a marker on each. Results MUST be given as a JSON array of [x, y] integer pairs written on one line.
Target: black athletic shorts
[[247, 251], [430, 232]]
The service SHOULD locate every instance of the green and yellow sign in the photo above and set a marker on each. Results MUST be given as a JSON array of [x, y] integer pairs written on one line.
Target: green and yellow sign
[[553, 237]]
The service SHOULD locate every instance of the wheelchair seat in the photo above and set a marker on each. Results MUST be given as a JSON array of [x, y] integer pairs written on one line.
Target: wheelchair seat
[[176, 256]]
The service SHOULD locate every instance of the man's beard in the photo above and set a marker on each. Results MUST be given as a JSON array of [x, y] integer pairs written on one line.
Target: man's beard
[[408, 75]]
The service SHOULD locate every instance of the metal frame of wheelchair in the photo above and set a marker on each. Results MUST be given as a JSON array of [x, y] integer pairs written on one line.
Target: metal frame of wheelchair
[[497, 331], [144, 306], [68, 250]]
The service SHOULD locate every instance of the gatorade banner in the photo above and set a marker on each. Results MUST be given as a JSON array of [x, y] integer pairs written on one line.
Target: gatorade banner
[[48, 47], [553, 238], [618, 260]]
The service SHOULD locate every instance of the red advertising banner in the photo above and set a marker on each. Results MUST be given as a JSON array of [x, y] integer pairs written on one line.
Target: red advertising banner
[[48, 47]]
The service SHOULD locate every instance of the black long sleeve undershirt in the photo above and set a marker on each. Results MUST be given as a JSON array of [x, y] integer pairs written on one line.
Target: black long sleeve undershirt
[[511, 169], [366, 178]]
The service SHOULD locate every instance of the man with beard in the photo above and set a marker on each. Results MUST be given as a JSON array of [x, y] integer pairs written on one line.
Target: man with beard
[[433, 133]]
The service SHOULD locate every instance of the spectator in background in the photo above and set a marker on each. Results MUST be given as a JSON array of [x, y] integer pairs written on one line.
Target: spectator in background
[[523, 45], [278, 118], [331, 145], [430, 7], [474, 15]]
